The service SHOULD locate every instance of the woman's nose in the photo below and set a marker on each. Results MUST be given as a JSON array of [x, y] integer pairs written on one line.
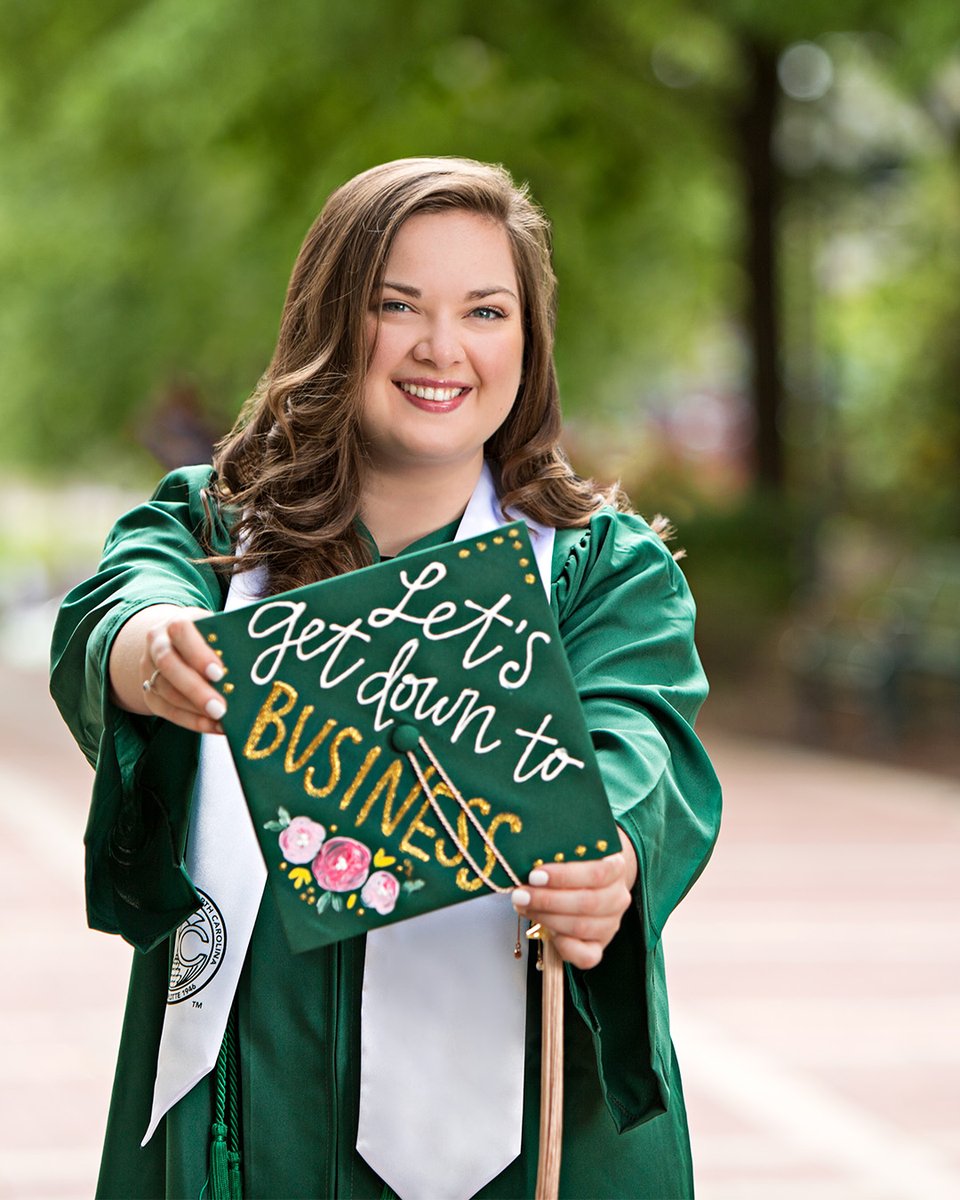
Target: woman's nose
[[439, 345]]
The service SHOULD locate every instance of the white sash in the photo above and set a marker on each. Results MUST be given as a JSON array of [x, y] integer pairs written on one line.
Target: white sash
[[210, 946], [442, 1017], [470, 943]]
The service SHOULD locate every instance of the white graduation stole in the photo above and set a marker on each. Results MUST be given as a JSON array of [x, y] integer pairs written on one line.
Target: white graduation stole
[[227, 868], [449, 974], [443, 1015]]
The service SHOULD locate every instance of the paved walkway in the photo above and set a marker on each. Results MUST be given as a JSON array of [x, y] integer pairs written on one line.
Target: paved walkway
[[815, 980], [815, 977]]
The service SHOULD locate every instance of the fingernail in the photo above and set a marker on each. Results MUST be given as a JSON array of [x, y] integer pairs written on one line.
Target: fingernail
[[538, 877], [215, 672], [520, 898], [160, 645], [215, 708]]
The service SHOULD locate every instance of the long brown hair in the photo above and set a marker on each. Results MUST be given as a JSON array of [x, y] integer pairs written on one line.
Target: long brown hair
[[293, 466]]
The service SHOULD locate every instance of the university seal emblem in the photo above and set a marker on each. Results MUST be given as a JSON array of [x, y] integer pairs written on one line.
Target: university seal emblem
[[199, 946]]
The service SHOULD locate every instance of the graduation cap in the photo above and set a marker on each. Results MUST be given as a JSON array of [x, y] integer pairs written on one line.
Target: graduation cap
[[408, 736]]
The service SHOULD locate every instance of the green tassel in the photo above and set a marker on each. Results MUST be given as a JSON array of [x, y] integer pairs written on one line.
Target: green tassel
[[219, 1176], [224, 1180], [233, 1171]]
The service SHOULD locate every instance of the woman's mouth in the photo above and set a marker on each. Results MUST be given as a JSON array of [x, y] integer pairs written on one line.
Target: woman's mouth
[[432, 392], [433, 397]]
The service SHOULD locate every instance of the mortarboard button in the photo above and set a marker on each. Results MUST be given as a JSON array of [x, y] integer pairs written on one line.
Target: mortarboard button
[[404, 738]]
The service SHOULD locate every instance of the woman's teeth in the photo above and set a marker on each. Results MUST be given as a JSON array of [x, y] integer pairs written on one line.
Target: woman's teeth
[[431, 393]]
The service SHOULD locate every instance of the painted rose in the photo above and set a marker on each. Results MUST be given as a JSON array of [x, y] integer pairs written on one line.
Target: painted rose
[[380, 892], [341, 865], [301, 840]]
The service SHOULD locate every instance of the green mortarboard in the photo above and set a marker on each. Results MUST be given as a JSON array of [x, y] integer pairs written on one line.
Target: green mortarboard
[[405, 732]]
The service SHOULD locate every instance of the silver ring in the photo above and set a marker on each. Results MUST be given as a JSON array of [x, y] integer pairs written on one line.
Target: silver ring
[[148, 683]]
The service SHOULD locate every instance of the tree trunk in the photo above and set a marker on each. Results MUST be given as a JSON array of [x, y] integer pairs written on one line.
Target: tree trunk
[[761, 184]]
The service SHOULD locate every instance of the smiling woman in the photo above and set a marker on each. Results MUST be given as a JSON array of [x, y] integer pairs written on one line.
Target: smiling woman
[[444, 369], [440, 348], [411, 398], [299, 458]]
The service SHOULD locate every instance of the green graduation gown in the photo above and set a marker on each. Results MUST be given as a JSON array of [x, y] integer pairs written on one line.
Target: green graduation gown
[[626, 621]]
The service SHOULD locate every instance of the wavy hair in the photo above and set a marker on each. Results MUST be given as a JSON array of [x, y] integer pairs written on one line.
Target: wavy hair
[[293, 466]]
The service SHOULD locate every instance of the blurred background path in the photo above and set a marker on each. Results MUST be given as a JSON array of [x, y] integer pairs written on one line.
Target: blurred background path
[[814, 970], [815, 981]]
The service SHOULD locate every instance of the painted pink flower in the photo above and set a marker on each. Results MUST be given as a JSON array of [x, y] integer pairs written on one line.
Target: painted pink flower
[[301, 840], [341, 865], [381, 891]]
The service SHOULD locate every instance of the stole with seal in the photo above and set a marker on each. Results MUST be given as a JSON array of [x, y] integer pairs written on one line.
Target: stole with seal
[[408, 737]]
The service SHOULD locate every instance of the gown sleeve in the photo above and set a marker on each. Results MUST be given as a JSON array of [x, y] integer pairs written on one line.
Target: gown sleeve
[[135, 881], [626, 620]]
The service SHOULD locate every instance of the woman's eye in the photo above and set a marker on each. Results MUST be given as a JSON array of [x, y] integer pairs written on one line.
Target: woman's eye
[[488, 313], [394, 306]]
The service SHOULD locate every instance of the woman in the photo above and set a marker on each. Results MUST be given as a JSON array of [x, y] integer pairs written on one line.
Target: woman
[[416, 344]]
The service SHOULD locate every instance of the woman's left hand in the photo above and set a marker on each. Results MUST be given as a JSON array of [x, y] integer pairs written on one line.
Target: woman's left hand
[[581, 903]]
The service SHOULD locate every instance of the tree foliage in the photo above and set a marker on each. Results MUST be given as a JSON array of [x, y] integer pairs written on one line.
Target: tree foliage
[[163, 158]]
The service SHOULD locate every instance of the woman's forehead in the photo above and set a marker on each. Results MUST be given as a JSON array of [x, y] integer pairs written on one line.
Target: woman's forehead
[[455, 246]]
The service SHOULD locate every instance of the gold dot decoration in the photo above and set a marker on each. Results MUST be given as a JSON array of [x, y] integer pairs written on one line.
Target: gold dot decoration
[[498, 540], [558, 857], [518, 545], [303, 895], [538, 862], [360, 912], [524, 562], [218, 653], [513, 533], [333, 829], [228, 688], [283, 866], [528, 578], [481, 546], [601, 845], [211, 637], [463, 553], [581, 851]]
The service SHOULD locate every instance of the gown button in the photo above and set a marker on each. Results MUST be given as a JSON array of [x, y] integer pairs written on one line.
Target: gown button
[[404, 738]]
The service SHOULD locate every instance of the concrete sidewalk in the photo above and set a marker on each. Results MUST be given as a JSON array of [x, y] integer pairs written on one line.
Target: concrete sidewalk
[[815, 983], [814, 970], [64, 986]]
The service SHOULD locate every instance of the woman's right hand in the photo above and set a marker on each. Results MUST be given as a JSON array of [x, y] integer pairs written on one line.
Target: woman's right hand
[[162, 647]]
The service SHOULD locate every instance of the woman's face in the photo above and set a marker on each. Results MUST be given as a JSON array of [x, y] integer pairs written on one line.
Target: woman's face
[[447, 337]]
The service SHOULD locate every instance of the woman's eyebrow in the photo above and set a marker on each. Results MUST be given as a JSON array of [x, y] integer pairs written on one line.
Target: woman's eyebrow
[[405, 289], [482, 293]]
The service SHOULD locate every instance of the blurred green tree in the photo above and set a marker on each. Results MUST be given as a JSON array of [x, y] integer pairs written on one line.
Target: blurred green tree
[[162, 160]]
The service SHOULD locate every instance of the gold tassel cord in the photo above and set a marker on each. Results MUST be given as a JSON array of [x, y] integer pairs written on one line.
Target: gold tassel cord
[[551, 1072], [468, 813], [471, 817]]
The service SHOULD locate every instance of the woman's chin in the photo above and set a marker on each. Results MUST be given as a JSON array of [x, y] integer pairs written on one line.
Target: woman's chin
[[425, 456]]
